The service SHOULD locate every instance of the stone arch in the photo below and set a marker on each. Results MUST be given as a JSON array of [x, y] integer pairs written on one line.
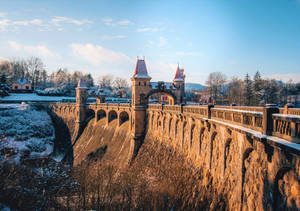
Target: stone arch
[[123, 117], [164, 124], [212, 139], [172, 97], [158, 122], [112, 115], [152, 121], [184, 125], [226, 152], [170, 126], [286, 190], [246, 154], [176, 125], [192, 132], [101, 114], [90, 114], [201, 138]]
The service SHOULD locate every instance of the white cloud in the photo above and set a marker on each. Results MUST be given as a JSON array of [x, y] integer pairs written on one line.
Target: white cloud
[[150, 44], [183, 53], [295, 77], [124, 22], [2, 59], [28, 22], [147, 29], [108, 21], [162, 42], [4, 24], [60, 19], [14, 45], [96, 54], [112, 37], [38, 50], [161, 71]]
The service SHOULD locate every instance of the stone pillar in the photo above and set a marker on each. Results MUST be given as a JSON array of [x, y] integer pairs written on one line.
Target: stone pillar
[[81, 98], [287, 106], [268, 110], [181, 108], [209, 107]]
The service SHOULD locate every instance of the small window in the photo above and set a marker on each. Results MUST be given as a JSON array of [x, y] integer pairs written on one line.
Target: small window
[[16, 87], [144, 83], [139, 83], [27, 87]]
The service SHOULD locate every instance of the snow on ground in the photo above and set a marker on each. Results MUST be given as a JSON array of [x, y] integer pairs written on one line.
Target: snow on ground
[[17, 97], [24, 132], [3, 207]]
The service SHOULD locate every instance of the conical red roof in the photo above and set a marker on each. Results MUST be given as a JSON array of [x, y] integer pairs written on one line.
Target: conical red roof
[[141, 69], [179, 74]]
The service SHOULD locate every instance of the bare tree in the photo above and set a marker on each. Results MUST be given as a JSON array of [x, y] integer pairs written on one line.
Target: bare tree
[[120, 83], [35, 66], [215, 82], [106, 81], [234, 93]]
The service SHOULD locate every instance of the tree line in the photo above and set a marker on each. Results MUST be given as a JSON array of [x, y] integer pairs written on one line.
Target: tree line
[[249, 91], [34, 71]]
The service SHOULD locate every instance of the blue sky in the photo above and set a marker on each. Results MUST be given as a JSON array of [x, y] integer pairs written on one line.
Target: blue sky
[[105, 37]]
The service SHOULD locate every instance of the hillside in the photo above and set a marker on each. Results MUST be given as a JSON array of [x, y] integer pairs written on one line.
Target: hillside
[[188, 86]]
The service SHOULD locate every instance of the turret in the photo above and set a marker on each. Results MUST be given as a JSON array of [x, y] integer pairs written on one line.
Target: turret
[[140, 83], [179, 83], [81, 98], [81, 92]]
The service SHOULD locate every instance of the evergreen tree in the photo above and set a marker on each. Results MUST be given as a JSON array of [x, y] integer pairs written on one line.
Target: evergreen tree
[[4, 88], [257, 89], [248, 93]]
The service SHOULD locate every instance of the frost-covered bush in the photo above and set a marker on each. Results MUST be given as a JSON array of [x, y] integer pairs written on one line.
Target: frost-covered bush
[[4, 89], [52, 92], [23, 128]]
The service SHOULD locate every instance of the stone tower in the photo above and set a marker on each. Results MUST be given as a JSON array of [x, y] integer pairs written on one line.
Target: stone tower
[[81, 98], [140, 87], [179, 83], [140, 83]]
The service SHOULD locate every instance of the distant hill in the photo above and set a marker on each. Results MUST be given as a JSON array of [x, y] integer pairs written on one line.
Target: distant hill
[[188, 86], [191, 86]]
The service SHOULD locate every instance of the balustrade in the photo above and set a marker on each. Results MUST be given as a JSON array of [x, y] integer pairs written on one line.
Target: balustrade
[[248, 119], [279, 122], [287, 126]]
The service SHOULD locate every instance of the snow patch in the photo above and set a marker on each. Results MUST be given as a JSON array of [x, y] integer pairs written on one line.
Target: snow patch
[[15, 97], [24, 132]]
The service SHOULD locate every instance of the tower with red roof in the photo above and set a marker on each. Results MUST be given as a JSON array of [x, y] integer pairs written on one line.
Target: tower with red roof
[[140, 88], [179, 84], [140, 83]]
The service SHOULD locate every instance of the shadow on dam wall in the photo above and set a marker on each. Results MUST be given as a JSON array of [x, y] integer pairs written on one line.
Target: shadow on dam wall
[[62, 143], [97, 140], [100, 141]]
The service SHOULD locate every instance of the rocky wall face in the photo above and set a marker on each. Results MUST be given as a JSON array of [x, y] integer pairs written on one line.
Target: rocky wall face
[[252, 173]]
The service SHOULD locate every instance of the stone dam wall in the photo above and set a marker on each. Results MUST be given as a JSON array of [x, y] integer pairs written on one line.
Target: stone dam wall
[[251, 171]]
